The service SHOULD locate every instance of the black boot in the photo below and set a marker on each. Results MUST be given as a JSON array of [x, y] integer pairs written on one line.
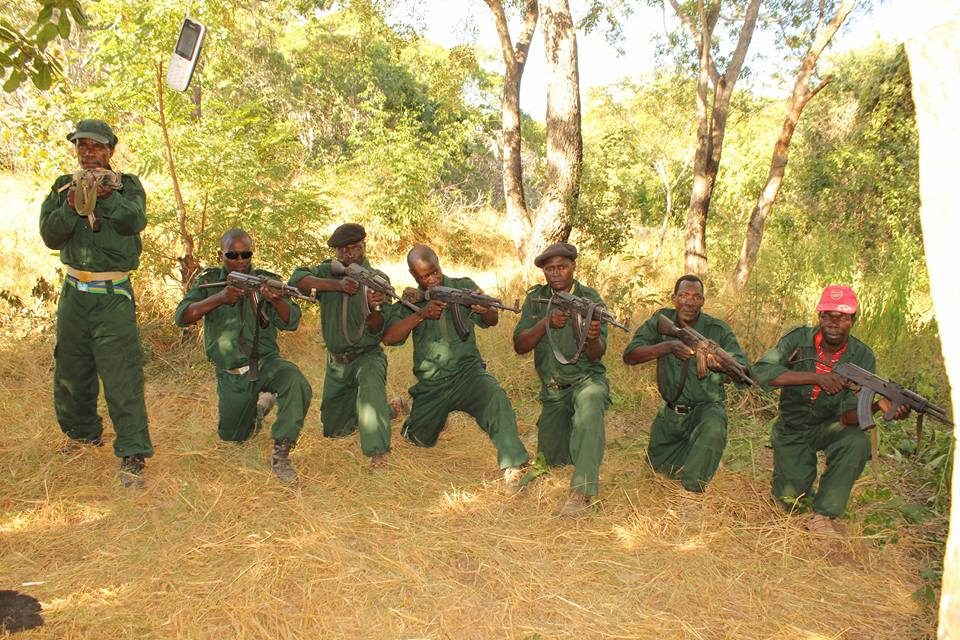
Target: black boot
[[280, 461], [131, 470]]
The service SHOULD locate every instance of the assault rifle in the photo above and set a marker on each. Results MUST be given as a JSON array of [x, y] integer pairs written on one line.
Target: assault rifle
[[867, 385], [85, 184], [251, 283], [369, 279], [463, 298], [582, 311], [704, 347]]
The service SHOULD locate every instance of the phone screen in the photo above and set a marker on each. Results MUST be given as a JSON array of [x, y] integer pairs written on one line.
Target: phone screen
[[187, 42]]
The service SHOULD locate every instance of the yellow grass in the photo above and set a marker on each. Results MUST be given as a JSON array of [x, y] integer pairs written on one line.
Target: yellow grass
[[214, 547]]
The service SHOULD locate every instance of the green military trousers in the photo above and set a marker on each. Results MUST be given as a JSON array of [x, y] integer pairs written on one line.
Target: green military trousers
[[97, 335], [689, 446], [847, 450], [475, 392], [238, 400], [355, 395], [571, 430]]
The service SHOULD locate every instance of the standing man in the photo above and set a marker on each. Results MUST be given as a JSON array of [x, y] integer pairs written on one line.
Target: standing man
[[573, 396], [96, 315], [689, 434], [355, 383], [240, 337], [451, 376], [817, 412]]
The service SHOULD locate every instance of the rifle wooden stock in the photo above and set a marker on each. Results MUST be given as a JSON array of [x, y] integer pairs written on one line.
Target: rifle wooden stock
[[703, 347]]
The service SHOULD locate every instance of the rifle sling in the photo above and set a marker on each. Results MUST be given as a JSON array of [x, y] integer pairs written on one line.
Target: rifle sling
[[252, 352], [578, 330], [344, 307], [662, 380]]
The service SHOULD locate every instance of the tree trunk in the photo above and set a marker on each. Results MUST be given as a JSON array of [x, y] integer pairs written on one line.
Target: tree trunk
[[661, 168], [935, 75], [712, 110], [514, 59], [802, 93], [189, 265], [564, 140]]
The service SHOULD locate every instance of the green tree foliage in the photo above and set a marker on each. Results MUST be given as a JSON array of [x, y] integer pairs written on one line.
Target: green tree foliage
[[25, 36]]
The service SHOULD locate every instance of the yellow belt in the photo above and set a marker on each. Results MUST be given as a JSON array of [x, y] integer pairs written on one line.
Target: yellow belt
[[94, 276]]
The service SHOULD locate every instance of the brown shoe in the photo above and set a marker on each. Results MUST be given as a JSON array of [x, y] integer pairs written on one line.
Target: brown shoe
[[131, 471], [822, 525], [398, 407], [513, 480], [576, 505], [280, 461], [379, 460]]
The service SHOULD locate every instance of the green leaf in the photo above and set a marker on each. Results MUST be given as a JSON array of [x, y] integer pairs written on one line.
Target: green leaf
[[63, 25], [12, 82], [43, 78], [47, 33]]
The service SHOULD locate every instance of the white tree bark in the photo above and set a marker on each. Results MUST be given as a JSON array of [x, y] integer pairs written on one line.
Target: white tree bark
[[934, 52]]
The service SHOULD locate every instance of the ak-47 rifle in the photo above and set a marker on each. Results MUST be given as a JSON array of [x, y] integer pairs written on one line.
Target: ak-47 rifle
[[251, 283], [85, 184], [463, 298], [867, 385], [370, 279], [703, 347], [582, 311]]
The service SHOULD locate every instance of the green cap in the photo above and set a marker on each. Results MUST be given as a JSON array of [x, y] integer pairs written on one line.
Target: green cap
[[97, 130]]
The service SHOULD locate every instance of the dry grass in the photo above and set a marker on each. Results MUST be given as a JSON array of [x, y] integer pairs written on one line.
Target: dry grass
[[215, 548]]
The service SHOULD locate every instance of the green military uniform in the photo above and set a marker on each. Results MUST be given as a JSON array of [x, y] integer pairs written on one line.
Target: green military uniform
[[689, 434], [451, 376], [355, 383], [96, 320], [574, 397], [226, 331], [804, 427]]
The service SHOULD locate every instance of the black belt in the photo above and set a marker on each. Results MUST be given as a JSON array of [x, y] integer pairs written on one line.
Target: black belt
[[347, 356], [681, 409]]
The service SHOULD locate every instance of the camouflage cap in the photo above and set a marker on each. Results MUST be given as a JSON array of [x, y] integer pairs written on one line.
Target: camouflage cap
[[562, 249], [346, 234], [96, 130]]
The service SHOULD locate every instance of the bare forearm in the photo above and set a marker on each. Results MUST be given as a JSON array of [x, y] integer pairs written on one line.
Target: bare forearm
[[398, 331], [527, 341], [646, 353]]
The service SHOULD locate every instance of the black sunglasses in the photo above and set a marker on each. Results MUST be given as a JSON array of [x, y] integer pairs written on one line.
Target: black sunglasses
[[233, 255]]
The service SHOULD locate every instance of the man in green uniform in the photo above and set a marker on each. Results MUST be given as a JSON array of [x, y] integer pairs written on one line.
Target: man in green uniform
[[451, 376], [689, 434], [574, 396], [817, 412], [96, 315], [240, 337], [355, 383]]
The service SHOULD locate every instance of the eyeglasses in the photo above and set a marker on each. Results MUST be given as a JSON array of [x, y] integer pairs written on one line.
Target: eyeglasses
[[233, 255]]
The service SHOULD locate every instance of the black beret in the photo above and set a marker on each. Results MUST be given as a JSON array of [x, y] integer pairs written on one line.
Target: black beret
[[346, 234], [563, 249]]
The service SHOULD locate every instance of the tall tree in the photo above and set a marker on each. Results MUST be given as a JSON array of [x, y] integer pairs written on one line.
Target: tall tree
[[933, 53], [552, 222], [514, 59], [714, 90], [803, 92]]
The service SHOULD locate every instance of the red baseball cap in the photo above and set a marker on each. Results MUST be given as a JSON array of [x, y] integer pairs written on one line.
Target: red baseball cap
[[838, 297]]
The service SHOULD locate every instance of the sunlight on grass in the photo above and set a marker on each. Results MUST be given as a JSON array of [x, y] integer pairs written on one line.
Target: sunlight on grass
[[456, 500], [99, 597], [53, 516]]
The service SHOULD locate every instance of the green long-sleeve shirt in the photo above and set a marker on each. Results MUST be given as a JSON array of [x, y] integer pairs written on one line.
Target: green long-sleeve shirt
[[224, 326], [438, 352], [331, 312], [548, 368], [695, 391], [796, 408], [115, 247]]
